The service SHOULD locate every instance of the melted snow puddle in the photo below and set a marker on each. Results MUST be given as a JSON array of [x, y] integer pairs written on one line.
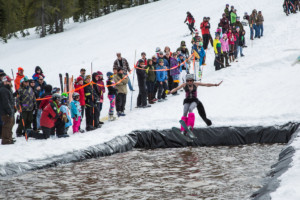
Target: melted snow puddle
[[183, 173]]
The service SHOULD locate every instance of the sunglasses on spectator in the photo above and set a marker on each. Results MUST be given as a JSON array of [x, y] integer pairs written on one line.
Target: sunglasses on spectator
[[41, 79], [189, 80]]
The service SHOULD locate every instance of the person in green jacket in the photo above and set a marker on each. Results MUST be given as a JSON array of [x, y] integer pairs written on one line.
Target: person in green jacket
[[122, 91], [150, 81], [233, 17]]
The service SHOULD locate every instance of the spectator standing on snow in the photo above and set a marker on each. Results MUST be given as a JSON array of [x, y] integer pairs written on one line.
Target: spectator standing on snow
[[167, 57], [39, 86], [82, 73], [121, 62], [112, 93], [225, 49], [183, 68], [98, 93], [19, 77], [101, 86], [64, 108], [199, 57], [233, 17], [26, 103], [191, 21], [150, 81], [122, 91], [2, 74], [239, 24], [218, 53], [161, 78], [241, 43], [224, 23], [226, 11], [231, 40], [141, 76], [38, 73], [236, 33], [91, 111], [175, 71], [205, 32], [80, 90], [7, 110], [231, 10], [252, 24], [259, 24], [43, 103], [76, 112], [208, 26]]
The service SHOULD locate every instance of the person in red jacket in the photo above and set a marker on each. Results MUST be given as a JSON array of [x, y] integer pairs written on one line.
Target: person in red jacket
[[231, 39], [19, 77], [78, 84], [49, 116], [204, 26], [191, 21], [224, 23]]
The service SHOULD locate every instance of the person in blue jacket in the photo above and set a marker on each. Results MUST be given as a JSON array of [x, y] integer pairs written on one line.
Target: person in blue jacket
[[66, 111], [199, 56], [162, 79]]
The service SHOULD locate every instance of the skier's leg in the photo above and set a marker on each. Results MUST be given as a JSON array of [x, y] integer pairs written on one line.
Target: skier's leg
[[185, 119], [191, 120], [202, 113]]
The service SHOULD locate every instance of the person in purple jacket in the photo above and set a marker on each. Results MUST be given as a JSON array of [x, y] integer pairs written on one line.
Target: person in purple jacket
[[175, 71]]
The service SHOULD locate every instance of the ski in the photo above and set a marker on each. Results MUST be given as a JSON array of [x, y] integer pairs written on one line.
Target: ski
[[189, 132], [67, 83], [176, 130], [61, 83]]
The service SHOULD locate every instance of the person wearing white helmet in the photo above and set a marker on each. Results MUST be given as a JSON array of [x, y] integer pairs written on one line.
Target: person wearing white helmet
[[191, 101]]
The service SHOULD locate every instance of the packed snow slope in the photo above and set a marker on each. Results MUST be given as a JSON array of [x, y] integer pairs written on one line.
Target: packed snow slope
[[261, 89]]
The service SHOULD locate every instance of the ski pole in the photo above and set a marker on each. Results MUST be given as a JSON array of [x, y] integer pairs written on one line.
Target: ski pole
[[133, 80], [93, 94], [23, 123]]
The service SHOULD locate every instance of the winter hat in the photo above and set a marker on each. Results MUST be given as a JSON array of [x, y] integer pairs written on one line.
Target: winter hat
[[143, 53], [87, 77], [31, 81], [217, 34], [182, 43], [100, 73], [25, 79], [227, 4], [157, 49], [161, 53], [160, 60], [79, 78], [201, 44], [119, 69], [141, 61], [109, 75], [180, 55], [237, 18], [20, 69], [237, 27], [82, 70], [6, 78], [55, 90]]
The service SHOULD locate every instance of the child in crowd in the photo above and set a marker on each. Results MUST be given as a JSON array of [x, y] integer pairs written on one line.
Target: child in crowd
[[112, 92], [38, 73], [76, 113], [66, 111]]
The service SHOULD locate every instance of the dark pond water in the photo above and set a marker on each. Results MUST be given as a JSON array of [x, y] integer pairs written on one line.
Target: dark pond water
[[184, 173]]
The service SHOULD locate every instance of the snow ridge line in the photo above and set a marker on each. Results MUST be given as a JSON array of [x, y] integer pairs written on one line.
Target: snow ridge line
[[284, 163]]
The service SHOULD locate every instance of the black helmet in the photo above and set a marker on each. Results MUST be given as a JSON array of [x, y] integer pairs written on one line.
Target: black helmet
[[55, 97]]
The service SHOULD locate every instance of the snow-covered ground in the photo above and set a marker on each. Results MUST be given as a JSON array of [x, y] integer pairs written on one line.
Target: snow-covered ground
[[261, 89]]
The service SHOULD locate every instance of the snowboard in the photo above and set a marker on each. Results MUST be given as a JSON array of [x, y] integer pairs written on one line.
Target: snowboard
[[176, 130], [189, 132]]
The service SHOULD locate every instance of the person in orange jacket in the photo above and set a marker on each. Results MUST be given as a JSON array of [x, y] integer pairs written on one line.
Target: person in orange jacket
[[19, 76]]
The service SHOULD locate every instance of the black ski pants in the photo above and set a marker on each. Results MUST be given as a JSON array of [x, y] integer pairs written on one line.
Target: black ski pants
[[202, 113], [92, 116], [162, 90], [205, 41], [225, 55], [27, 117], [121, 102], [142, 97], [191, 27]]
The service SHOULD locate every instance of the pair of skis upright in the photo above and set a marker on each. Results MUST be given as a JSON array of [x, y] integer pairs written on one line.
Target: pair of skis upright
[[66, 82]]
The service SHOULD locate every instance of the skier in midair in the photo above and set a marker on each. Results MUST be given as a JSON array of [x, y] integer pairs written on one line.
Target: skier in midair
[[191, 101], [191, 21]]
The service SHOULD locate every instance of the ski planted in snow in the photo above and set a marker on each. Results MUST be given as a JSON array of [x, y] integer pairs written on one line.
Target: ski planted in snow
[[176, 130], [189, 132], [61, 83], [67, 83]]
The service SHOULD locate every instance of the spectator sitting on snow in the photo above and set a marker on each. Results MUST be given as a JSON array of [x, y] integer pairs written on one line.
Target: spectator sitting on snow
[[38, 73]]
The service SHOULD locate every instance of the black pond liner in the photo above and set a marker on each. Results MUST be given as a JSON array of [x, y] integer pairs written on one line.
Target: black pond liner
[[151, 139]]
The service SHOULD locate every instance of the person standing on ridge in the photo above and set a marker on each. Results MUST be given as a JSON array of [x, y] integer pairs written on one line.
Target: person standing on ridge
[[191, 21], [190, 102]]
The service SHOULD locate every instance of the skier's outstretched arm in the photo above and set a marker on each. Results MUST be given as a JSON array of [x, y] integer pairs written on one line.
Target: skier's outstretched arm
[[208, 84], [178, 88]]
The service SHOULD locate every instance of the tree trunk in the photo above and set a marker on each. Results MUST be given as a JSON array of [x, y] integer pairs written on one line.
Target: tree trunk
[[43, 34]]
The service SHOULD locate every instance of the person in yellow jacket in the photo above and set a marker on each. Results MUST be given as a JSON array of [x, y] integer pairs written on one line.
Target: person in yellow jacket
[[218, 52]]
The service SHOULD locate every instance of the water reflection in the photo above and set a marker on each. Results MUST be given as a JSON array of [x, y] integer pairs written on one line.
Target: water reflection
[[183, 173]]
